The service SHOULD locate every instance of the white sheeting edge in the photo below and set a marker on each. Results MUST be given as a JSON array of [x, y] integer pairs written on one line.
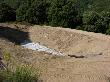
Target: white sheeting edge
[[38, 47]]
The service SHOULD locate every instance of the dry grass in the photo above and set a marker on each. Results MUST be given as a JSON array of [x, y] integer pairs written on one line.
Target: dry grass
[[20, 74], [64, 69]]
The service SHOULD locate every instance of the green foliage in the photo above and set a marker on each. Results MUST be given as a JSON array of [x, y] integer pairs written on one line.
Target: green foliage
[[32, 12], [100, 5], [37, 12], [96, 22], [108, 31], [83, 5], [14, 3], [6, 56], [21, 12], [21, 74], [6, 13], [63, 13], [89, 15]]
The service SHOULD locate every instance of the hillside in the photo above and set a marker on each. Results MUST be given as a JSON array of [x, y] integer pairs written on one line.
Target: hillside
[[70, 41], [87, 15], [61, 40], [94, 67]]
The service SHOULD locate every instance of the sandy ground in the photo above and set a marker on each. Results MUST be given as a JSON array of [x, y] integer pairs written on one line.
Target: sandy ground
[[93, 68]]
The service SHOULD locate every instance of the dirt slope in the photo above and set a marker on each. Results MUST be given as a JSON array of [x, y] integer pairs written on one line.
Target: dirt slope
[[70, 41], [93, 68]]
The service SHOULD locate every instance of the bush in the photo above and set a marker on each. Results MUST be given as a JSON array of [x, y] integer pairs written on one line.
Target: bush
[[6, 13], [108, 31], [33, 12], [89, 18], [95, 22], [63, 13], [37, 12], [21, 74], [21, 11], [90, 28]]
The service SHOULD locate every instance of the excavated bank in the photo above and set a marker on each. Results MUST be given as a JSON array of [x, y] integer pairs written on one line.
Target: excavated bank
[[70, 42], [94, 68]]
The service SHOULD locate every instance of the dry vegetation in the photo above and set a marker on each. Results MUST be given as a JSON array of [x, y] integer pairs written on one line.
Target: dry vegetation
[[93, 68]]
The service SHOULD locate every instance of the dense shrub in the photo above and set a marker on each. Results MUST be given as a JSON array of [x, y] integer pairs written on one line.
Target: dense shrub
[[63, 13], [108, 31], [32, 12], [89, 18], [21, 11], [14, 3], [96, 22], [37, 12], [79, 14], [7, 13]]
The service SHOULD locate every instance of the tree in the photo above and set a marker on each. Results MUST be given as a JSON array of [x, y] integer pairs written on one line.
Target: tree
[[96, 22], [7, 13], [21, 11], [14, 3], [34, 11], [89, 18], [92, 22], [63, 13], [37, 12], [108, 31]]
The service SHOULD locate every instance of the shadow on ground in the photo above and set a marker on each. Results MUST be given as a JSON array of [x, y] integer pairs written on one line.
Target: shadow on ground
[[13, 35]]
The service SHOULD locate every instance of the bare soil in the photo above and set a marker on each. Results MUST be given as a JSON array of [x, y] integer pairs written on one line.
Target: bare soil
[[94, 67], [70, 42]]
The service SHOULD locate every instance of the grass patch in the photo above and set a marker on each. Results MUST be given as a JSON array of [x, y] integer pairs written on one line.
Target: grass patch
[[20, 74]]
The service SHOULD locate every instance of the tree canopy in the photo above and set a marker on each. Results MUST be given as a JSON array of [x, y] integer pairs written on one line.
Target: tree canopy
[[89, 15], [6, 13]]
